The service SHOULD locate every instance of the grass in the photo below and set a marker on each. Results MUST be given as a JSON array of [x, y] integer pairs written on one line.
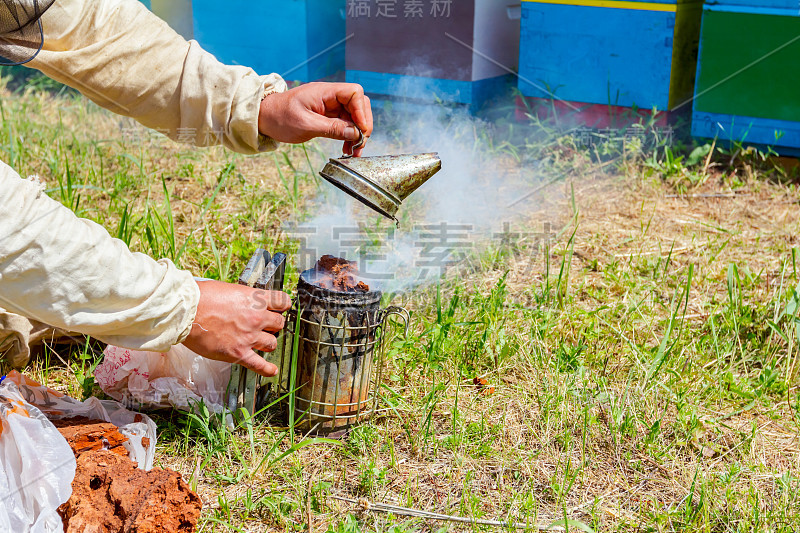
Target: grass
[[641, 363]]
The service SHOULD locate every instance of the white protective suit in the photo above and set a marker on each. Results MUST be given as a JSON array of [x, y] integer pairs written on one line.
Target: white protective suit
[[70, 273]]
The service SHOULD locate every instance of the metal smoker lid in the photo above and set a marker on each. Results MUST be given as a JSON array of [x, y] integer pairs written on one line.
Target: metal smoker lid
[[361, 188], [381, 182]]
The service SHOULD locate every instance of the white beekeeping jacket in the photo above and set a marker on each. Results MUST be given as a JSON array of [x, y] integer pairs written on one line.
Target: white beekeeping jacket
[[70, 273]]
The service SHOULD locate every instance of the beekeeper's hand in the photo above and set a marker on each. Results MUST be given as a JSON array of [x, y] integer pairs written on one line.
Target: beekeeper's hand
[[233, 320], [317, 110]]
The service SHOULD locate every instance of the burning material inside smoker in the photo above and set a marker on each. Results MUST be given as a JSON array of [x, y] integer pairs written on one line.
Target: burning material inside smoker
[[337, 274]]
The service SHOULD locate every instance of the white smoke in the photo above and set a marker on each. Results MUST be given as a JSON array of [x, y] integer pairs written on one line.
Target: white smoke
[[462, 206]]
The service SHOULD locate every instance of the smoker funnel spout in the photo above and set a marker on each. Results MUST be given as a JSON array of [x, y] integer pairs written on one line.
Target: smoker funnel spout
[[382, 182]]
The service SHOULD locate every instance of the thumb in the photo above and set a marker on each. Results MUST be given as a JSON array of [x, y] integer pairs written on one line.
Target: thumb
[[335, 128]]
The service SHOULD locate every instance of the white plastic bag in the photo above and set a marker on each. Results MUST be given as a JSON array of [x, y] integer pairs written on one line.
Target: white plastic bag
[[138, 428], [179, 378], [36, 466]]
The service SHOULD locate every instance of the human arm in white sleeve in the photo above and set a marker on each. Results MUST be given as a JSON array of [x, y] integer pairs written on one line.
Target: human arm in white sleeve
[[70, 273], [126, 59]]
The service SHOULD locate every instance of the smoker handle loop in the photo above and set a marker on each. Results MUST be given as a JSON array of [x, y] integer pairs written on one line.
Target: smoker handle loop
[[357, 145], [402, 312]]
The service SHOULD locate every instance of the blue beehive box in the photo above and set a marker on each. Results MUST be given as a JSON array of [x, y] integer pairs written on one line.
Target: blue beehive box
[[302, 40], [747, 76], [462, 52], [612, 53]]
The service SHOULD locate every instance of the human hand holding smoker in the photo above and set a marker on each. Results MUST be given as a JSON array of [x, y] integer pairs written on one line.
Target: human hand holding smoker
[[233, 321], [331, 110]]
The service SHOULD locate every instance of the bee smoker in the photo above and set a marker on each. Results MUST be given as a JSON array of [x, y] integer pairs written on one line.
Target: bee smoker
[[334, 347], [329, 355]]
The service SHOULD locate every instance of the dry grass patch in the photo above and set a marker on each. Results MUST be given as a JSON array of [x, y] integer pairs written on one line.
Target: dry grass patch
[[640, 372]]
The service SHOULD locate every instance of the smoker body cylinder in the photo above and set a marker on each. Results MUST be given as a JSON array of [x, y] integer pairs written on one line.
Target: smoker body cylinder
[[337, 353]]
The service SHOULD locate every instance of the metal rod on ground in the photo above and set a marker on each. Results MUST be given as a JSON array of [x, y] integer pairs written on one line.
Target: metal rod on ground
[[709, 195], [534, 191], [407, 511]]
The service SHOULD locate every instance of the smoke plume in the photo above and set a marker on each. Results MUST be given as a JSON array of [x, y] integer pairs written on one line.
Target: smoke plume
[[457, 211]]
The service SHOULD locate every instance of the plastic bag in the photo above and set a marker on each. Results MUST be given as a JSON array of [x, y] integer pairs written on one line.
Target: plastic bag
[[36, 466], [138, 428], [179, 378]]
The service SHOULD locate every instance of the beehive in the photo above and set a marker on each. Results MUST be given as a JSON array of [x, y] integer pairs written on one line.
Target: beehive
[[302, 40], [628, 54], [461, 52], [747, 77]]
